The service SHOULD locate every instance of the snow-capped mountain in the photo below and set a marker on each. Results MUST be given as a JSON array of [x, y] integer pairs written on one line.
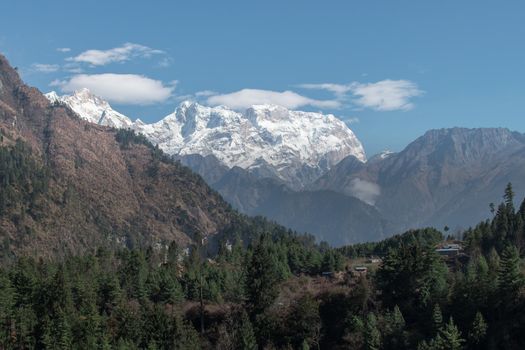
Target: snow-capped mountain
[[382, 155], [92, 108], [279, 141]]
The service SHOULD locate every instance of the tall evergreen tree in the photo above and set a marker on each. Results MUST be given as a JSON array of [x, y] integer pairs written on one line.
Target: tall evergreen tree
[[262, 276], [509, 198], [478, 329], [395, 335], [372, 335], [412, 277], [451, 337], [510, 278], [437, 318], [245, 337]]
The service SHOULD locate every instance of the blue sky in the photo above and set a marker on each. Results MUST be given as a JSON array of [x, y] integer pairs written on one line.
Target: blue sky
[[398, 67]]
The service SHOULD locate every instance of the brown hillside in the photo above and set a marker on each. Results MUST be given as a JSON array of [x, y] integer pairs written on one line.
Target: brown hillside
[[99, 191]]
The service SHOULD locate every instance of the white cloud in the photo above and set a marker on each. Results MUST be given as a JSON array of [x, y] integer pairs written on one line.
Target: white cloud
[[63, 49], [165, 62], [117, 54], [205, 93], [72, 67], [338, 89], [248, 97], [386, 95], [173, 83], [45, 68], [119, 88], [364, 190]]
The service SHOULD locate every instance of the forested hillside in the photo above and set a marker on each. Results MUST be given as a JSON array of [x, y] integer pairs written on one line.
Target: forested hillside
[[281, 292]]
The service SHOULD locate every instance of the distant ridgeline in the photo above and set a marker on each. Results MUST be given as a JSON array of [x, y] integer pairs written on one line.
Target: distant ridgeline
[[505, 228]]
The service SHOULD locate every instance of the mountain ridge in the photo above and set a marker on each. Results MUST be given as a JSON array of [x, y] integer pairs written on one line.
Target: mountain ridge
[[429, 181], [293, 146]]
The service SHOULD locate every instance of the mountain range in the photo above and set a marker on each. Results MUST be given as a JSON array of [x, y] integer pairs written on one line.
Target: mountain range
[[291, 146], [309, 171]]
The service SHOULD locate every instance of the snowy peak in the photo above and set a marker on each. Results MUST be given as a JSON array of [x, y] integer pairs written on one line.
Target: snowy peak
[[381, 156], [298, 146], [52, 97], [92, 108], [279, 136]]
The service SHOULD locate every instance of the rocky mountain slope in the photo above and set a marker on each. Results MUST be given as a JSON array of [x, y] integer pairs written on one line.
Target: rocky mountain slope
[[330, 215], [68, 185], [445, 177], [269, 141]]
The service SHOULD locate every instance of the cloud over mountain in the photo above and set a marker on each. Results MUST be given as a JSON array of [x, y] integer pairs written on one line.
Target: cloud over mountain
[[119, 88], [246, 98], [384, 95]]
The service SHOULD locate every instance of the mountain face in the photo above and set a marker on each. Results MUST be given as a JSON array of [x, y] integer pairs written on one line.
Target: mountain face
[[67, 185], [445, 177], [331, 216], [269, 141], [91, 108]]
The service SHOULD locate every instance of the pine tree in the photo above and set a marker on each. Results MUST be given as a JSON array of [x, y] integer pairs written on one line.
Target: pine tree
[[412, 276], [395, 330], [510, 278], [509, 198], [245, 334], [398, 321], [501, 227], [478, 330], [372, 335], [304, 321], [522, 210], [305, 346], [26, 322], [451, 337], [134, 274], [262, 276], [64, 336], [437, 318]]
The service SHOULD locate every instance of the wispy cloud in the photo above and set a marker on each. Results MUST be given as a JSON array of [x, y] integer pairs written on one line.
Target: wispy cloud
[[165, 62], [117, 54], [364, 190], [119, 88], [63, 49], [246, 98], [338, 89], [206, 93], [72, 67], [384, 95], [45, 68]]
